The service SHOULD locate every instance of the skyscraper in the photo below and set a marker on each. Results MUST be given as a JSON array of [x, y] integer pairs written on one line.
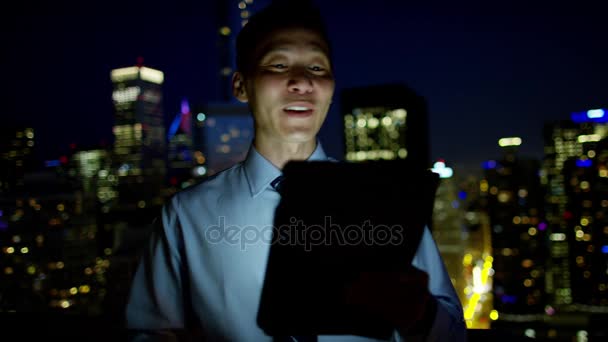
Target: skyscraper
[[16, 150], [462, 237], [448, 218], [232, 16], [224, 129], [139, 171], [385, 122], [181, 160], [514, 205], [92, 168], [477, 296], [448, 221], [565, 140], [139, 146], [586, 219]]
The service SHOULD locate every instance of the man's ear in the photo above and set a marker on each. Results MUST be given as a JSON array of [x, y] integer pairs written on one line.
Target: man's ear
[[238, 87]]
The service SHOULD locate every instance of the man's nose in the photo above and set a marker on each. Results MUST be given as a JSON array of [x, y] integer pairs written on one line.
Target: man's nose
[[300, 82]]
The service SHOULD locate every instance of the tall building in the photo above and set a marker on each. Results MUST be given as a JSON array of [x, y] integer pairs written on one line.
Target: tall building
[[385, 122], [223, 130], [181, 159], [477, 262], [93, 169], [565, 140], [586, 220], [448, 218], [448, 221], [16, 149], [138, 171], [232, 16], [139, 146], [95, 186], [515, 209], [462, 232], [222, 136]]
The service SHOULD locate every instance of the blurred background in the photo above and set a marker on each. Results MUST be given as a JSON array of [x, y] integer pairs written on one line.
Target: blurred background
[[109, 109]]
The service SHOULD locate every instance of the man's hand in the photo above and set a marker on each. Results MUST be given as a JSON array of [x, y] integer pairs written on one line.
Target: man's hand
[[400, 298]]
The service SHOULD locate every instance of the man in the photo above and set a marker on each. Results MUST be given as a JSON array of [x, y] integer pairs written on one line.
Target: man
[[190, 279]]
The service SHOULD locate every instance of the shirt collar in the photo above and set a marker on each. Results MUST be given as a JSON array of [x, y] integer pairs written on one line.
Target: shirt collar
[[261, 172]]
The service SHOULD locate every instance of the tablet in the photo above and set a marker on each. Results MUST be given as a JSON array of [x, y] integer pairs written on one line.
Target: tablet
[[335, 220]]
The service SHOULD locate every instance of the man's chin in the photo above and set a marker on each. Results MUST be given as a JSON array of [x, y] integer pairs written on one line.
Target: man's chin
[[300, 137]]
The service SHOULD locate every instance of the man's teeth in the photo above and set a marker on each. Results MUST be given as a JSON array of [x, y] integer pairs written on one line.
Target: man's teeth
[[298, 108]]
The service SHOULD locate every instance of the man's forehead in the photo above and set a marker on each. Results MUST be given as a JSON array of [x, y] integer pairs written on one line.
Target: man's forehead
[[286, 40]]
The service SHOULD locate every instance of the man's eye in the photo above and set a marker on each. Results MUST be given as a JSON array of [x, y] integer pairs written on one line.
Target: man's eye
[[316, 68], [279, 66]]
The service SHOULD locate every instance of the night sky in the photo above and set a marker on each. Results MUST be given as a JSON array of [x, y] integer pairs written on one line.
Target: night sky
[[487, 71]]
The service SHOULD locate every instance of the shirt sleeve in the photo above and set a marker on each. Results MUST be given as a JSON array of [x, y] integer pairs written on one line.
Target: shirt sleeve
[[448, 324], [156, 305]]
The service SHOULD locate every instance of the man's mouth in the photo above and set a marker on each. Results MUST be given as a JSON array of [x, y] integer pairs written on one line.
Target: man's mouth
[[299, 109]]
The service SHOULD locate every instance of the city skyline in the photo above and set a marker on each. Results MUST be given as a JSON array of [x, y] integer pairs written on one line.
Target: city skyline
[[57, 218], [499, 279], [485, 74], [521, 224]]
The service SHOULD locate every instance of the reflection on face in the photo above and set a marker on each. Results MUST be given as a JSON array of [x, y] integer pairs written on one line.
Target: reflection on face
[[290, 87]]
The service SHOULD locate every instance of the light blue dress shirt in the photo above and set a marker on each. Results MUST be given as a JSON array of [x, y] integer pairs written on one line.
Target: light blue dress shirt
[[207, 257]]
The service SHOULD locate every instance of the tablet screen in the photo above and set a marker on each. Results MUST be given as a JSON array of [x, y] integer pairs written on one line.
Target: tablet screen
[[334, 221]]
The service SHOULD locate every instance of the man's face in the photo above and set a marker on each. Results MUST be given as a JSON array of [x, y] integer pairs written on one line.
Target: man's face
[[290, 87]]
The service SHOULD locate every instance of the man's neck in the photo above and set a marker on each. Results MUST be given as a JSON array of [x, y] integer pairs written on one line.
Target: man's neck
[[279, 153]]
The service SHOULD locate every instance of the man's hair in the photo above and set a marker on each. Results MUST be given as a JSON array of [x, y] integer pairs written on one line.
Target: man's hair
[[284, 14]]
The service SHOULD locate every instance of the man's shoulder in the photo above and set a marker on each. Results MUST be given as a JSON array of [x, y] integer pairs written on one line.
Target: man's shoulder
[[212, 186]]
